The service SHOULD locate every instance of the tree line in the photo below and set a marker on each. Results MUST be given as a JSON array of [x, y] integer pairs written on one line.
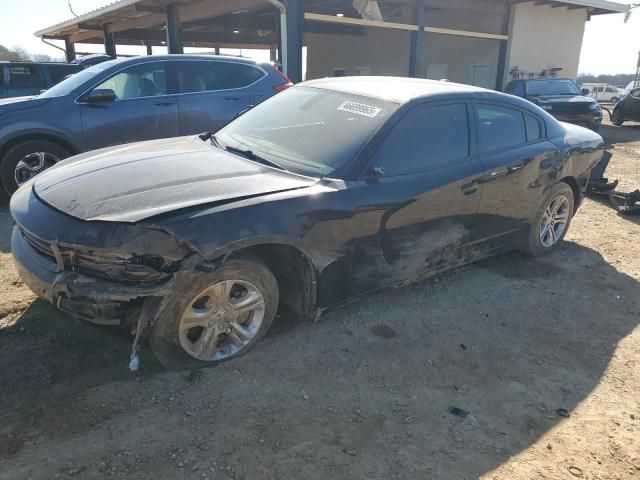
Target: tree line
[[20, 54], [617, 79]]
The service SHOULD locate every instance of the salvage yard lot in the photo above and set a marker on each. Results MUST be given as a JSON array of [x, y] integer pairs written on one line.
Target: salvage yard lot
[[364, 392]]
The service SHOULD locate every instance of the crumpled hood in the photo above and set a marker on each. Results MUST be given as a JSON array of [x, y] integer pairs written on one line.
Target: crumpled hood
[[132, 182]]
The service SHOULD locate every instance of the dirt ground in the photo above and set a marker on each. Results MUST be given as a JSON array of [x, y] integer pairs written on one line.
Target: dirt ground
[[543, 354]]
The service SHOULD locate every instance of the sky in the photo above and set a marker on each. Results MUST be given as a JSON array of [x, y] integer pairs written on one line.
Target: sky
[[610, 45]]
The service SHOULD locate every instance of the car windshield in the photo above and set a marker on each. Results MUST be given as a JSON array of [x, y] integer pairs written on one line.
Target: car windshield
[[68, 85], [552, 87], [311, 131]]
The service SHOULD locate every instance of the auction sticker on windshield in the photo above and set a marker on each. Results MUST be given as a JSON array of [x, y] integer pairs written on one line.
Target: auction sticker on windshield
[[360, 108]]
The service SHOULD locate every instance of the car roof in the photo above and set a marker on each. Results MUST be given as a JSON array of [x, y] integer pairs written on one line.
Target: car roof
[[547, 79], [179, 57], [28, 62], [397, 89]]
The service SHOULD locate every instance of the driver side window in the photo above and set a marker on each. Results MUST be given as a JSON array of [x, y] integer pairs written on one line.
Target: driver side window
[[139, 81], [426, 138]]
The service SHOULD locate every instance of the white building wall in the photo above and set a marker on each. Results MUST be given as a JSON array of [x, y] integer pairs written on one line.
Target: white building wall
[[543, 37]]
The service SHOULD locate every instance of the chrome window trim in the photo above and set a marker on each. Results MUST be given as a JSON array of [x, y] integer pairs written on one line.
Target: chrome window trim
[[265, 74], [117, 72], [166, 61]]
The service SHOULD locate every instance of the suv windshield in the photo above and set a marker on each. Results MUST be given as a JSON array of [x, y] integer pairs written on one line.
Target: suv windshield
[[74, 81], [552, 87], [308, 130]]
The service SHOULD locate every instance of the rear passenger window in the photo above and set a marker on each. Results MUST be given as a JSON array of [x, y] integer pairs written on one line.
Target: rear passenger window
[[243, 75], [25, 77], [499, 127], [534, 131], [211, 76], [425, 138]]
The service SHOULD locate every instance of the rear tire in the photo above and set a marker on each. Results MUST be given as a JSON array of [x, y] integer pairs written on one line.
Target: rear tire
[[615, 100], [199, 320], [547, 231], [51, 151]]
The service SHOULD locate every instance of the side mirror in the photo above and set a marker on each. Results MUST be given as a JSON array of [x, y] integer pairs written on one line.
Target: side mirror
[[586, 91], [100, 95]]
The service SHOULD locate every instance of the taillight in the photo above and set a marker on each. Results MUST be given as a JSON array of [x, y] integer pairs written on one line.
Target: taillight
[[287, 83], [284, 86]]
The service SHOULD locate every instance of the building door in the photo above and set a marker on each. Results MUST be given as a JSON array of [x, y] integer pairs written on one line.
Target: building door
[[482, 75], [437, 71]]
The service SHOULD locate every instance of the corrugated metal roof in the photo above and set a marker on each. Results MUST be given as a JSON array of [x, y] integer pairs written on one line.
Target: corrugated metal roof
[[603, 6], [111, 7], [613, 7]]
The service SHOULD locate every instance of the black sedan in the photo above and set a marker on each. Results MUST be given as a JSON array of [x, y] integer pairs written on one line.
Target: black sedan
[[560, 97], [628, 108], [325, 192]]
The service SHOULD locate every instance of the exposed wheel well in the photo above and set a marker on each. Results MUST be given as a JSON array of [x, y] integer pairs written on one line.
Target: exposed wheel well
[[577, 194], [295, 275]]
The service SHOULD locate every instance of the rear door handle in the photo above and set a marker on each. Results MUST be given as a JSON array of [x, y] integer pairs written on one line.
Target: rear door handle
[[507, 170], [233, 98], [470, 188], [163, 104]]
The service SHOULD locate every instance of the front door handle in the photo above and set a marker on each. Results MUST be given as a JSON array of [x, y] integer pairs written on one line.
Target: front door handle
[[233, 98], [470, 188], [163, 104]]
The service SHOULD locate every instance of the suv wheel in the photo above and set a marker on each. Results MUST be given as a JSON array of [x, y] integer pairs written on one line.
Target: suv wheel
[[27, 159]]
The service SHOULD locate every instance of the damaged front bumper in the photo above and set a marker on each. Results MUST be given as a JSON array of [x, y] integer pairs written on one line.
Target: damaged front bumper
[[92, 299]]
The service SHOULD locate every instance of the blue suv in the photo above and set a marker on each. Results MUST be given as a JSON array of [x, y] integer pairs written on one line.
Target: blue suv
[[127, 100]]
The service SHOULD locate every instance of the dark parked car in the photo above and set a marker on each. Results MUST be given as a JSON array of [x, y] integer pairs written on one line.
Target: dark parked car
[[127, 100], [19, 79], [628, 108], [560, 97], [92, 59], [325, 192]]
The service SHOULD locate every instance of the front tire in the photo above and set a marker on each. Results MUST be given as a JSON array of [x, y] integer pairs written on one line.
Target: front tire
[[217, 316], [617, 119], [552, 220], [27, 159]]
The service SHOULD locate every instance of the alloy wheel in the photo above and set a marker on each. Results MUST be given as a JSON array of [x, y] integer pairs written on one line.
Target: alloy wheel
[[221, 320], [32, 164], [554, 221]]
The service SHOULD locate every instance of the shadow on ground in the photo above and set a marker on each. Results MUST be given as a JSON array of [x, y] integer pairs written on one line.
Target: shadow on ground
[[5, 228], [629, 132], [363, 393]]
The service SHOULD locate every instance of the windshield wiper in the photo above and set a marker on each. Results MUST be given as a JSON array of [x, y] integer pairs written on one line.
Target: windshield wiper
[[256, 158]]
